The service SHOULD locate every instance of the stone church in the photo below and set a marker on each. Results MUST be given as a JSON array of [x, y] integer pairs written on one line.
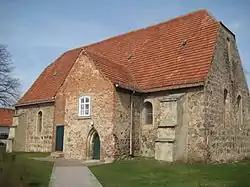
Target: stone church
[[173, 91]]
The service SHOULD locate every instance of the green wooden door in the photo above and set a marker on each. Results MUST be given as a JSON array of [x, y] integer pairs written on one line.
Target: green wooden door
[[59, 138], [96, 148]]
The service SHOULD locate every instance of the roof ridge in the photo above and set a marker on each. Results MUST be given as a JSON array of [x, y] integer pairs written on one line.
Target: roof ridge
[[34, 82], [43, 75], [112, 62], [80, 52], [102, 56], [42, 72], [147, 27], [196, 33], [144, 58]]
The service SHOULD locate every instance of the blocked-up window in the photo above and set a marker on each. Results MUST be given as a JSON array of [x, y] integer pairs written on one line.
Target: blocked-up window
[[226, 108], [239, 110], [84, 106], [39, 121], [225, 97], [148, 113], [229, 51]]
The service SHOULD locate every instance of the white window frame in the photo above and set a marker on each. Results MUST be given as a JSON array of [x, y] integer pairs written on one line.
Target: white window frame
[[82, 111]]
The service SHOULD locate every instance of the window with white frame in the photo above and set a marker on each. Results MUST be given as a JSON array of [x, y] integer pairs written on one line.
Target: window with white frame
[[84, 106]]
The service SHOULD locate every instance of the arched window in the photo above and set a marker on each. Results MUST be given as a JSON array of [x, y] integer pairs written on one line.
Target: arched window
[[239, 110], [39, 121], [148, 113]]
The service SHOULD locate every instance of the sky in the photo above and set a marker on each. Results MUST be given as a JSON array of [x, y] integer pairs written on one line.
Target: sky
[[36, 32]]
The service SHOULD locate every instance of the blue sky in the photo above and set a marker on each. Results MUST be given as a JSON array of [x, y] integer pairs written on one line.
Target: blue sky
[[37, 32]]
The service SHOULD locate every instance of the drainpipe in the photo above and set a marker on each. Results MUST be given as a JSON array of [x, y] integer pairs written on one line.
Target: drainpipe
[[131, 127], [131, 121], [131, 152]]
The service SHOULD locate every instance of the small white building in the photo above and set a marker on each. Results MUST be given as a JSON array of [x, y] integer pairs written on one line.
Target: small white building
[[7, 130]]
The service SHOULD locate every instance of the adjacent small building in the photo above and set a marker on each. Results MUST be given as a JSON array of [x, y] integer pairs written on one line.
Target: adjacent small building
[[7, 130], [173, 91]]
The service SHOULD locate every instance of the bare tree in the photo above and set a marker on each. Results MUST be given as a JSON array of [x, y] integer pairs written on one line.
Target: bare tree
[[9, 85]]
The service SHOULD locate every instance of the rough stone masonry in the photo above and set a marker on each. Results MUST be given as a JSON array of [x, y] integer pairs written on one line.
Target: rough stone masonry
[[195, 120]]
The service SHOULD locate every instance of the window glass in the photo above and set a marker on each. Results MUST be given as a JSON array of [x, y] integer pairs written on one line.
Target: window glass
[[84, 106], [148, 113]]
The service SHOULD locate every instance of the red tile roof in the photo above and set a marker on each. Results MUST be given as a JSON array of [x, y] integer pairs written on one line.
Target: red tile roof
[[51, 79], [174, 53], [6, 117], [116, 73]]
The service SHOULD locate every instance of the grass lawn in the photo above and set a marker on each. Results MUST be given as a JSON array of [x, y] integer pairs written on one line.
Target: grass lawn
[[142, 172], [38, 172]]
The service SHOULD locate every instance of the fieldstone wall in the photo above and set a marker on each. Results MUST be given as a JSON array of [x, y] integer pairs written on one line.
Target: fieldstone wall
[[136, 124], [85, 80], [227, 139], [178, 118], [198, 124], [27, 138], [149, 131], [194, 116], [123, 123], [208, 129], [19, 141]]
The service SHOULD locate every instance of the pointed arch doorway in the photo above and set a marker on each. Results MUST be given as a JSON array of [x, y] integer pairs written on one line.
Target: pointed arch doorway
[[96, 147], [93, 145]]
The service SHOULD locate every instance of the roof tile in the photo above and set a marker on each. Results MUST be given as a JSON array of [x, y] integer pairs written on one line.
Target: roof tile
[[6, 117], [48, 83], [173, 53]]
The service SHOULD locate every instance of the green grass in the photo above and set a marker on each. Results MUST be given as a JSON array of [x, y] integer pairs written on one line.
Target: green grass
[[31, 155], [33, 172], [142, 172], [40, 171]]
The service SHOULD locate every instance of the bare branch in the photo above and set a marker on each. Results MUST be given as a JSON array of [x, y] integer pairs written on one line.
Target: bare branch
[[9, 86]]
